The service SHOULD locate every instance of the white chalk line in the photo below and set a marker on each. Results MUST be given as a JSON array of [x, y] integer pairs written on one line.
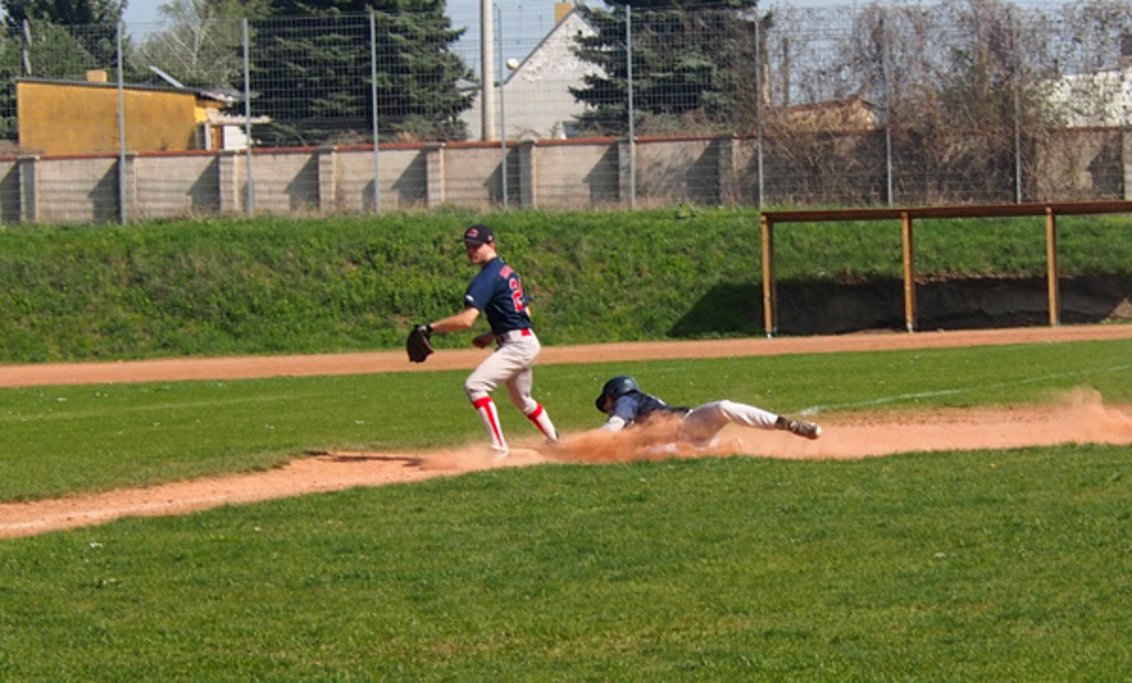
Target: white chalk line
[[813, 410]]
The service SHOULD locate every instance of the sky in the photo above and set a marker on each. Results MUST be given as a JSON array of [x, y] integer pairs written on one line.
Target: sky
[[463, 12], [525, 21], [519, 24], [142, 11]]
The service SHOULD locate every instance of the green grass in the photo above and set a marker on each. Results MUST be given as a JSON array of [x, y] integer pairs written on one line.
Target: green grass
[[957, 566]]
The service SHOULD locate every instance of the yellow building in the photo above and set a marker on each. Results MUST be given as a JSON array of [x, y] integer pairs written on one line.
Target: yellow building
[[81, 117]]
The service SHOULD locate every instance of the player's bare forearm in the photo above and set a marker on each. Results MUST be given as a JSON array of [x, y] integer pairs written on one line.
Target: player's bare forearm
[[454, 323]]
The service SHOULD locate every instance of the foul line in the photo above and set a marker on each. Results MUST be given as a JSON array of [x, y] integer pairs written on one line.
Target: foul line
[[813, 410]]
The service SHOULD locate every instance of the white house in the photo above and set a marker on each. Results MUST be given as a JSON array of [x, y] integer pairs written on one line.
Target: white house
[[1102, 98], [535, 100]]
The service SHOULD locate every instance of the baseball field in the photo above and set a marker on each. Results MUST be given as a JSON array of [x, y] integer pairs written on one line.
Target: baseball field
[[274, 514], [270, 519]]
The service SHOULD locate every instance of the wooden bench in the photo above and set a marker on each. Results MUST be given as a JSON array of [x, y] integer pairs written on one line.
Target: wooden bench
[[906, 216]]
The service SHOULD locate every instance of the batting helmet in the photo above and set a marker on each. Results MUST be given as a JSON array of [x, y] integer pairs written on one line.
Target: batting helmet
[[615, 389]]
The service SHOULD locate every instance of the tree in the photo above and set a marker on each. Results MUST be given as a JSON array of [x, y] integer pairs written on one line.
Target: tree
[[64, 12], [313, 72], [201, 43], [94, 23], [692, 63]]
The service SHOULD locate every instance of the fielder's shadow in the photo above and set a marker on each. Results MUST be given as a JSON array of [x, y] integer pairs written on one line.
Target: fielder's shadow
[[725, 310], [359, 456]]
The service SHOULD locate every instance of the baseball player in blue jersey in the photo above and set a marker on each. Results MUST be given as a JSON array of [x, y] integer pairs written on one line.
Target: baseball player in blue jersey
[[624, 404], [497, 292]]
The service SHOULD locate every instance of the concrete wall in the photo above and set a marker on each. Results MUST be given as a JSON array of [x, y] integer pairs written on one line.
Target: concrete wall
[[10, 192], [74, 190], [176, 185], [286, 183], [566, 175], [1068, 167], [685, 171], [550, 174]]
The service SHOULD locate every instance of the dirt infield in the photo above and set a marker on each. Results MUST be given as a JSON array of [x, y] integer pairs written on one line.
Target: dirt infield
[[1081, 417]]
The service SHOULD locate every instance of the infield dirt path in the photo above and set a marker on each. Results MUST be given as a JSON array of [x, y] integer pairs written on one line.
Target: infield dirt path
[[1082, 417]]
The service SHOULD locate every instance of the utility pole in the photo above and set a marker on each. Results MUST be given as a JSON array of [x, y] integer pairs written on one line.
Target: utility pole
[[487, 71]]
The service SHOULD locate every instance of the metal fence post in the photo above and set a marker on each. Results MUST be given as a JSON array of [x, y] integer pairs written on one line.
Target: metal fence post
[[249, 197], [123, 211], [759, 85], [502, 107], [886, 71], [1015, 86], [629, 82], [373, 105]]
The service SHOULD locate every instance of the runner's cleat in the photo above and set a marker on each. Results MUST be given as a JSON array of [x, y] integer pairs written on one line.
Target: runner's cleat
[[806, 429]]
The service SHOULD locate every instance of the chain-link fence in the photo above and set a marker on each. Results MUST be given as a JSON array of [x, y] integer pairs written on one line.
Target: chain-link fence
[[568, 106]]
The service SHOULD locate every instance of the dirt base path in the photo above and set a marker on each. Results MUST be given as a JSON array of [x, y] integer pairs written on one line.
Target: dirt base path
[[1081, 417]]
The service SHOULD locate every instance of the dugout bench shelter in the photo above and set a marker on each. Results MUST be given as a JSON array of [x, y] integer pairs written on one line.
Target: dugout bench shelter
[[1051, 210]]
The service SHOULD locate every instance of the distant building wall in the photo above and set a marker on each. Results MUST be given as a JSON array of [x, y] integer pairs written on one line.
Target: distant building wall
[[82, 118], [535, 99], [853, 113]]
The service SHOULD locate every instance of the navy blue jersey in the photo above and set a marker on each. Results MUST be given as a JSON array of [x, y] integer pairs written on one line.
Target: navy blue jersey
[[636, 406], [497, 292]]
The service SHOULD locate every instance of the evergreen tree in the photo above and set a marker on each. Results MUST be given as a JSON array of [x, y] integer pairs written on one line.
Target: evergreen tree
[[93, 23], [64, 12], [311, 66], [693, 62]]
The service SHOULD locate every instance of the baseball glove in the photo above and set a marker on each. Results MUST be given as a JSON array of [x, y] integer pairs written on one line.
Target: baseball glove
[[419, 343]]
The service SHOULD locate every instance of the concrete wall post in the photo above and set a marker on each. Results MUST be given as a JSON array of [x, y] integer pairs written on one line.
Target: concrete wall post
[[129, 178], [327, 180], [231, 199], [528, 174], [624, 172], [29, 186], [434, 174], [728, 171]]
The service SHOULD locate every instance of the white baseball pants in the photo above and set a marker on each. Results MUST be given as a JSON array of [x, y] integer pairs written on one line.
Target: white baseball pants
[[510, 364], [702, 426]]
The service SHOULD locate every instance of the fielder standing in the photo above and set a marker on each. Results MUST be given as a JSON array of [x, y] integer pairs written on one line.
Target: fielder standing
[[497, 292]]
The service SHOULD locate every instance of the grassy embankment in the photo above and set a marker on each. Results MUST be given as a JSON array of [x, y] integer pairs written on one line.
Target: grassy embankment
[[284, 286]]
